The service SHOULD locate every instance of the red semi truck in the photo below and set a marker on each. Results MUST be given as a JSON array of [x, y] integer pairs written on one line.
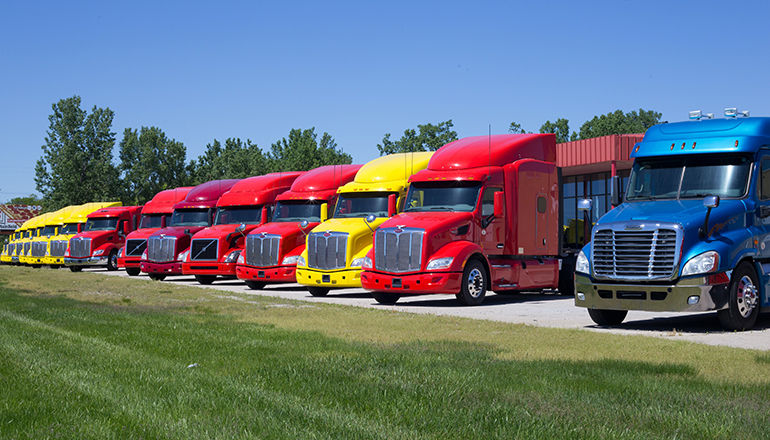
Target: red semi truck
[[165, 247], [272, 250], [483, 216], [215, 250], [156, 214], [104, 233]]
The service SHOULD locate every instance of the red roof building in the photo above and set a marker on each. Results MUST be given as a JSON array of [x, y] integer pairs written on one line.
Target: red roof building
[[13, 216]]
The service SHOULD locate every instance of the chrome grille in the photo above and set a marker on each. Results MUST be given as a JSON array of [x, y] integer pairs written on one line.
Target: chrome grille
[[203, 249], [80, 247], [327, 250], [58, 248], [642, 253], [135, 248], [161, 249], [39, 248], [262, 250], [398, 249]]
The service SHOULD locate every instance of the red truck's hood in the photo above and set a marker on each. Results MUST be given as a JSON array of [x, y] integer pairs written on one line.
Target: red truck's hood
[[221, 231], [176, 231], [440, 227], [292, 238], [96, 235], [141, 234]]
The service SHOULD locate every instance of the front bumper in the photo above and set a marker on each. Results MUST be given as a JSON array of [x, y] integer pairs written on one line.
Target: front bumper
[[90, 261], [171, 268], [208, 268], [652, 298], [336, 280], [413, 284], [272, 274], [129, 262]]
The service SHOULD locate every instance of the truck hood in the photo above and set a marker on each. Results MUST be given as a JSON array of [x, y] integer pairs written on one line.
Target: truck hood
[[432, 222], [221, 231], [141, 234], [176, 231], [355, 227], [688, 213], [284, 229], [96, 235]]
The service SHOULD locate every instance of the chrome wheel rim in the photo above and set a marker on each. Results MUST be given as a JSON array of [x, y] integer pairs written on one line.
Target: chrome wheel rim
[[747, 296], [475, 283]]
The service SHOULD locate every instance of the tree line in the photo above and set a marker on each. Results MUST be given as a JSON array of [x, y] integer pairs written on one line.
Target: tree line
[[77, 165]]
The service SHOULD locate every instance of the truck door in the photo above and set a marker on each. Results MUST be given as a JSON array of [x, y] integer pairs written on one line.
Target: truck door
[[492, 229], [761, 217]]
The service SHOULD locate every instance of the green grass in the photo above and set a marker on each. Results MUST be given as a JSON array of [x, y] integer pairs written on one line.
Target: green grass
[[89, 356]]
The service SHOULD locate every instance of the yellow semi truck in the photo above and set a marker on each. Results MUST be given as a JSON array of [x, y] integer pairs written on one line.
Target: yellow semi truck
[[10, 248], [34, 226], [336, 248], [52, 224]]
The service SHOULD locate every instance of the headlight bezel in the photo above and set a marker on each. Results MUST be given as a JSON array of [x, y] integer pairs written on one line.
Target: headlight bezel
[[442, 263], [701, 264], [582, 265]]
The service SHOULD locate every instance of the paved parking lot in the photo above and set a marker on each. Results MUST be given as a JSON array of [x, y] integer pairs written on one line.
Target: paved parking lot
[[547, 310]]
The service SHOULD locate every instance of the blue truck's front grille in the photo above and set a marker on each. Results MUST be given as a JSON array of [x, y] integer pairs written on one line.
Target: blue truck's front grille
[[637, 254]]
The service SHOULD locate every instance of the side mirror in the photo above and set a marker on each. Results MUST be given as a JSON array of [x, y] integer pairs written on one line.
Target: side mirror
[[303, 225], [710, 202], [324, 212], [80, 228], [369, 220], [391, 205], [210, 217], [124, 228], [615, 197], [163, 222], [240, 228], [585, 204], [499, 210]]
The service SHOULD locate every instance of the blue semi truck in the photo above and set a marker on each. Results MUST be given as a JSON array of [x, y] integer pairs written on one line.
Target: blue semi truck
[[692, 233]]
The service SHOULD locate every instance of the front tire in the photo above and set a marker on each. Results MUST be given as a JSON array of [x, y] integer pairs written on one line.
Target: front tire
[[743, 301], [318, 291], [386, 298], [133, 271], [474, 284], [112, 260], [76, 269], [205, 279], [157, 277], [256, 285], [607, 318]]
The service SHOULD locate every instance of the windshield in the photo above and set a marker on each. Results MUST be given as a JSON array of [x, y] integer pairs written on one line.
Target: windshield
[[101, 224], [69, 229], [694, 176], [49, 230], [296, 211], [195, 217], [153, 220], [361, 205], [236, 215], [444, 196]]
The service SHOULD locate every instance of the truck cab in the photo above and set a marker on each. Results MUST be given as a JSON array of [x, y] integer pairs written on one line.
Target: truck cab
[[483, 216], [156, 214], [71, 226], [271, 251], [104, 233], [166, 247], [335, 249], [214, 250], [10, 248], [692, 232], [51, 223], [31, 231]]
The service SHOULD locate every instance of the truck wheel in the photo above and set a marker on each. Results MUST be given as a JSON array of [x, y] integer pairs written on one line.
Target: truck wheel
[[76, 268], [318, 291], [567, 277], [112, 260], [157, 277], [205, 279], [607, 317], [133, 271], [743, 302], [256, 285], [386, 297], [473, 284]]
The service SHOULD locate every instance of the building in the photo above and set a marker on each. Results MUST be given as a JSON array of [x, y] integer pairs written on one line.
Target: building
[[13, 216]]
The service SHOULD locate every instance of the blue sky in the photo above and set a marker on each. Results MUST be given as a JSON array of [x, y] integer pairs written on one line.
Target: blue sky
[[254, 70]]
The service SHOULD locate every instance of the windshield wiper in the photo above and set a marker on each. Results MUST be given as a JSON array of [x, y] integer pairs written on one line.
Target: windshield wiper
[[442, 208]]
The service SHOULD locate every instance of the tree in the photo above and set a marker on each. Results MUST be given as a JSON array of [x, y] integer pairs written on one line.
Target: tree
[[430, 138], [516, 129], [236, 160], [31, 199], [619, 123], [149, 163], [301, 152], [76, 166], [560, 128]]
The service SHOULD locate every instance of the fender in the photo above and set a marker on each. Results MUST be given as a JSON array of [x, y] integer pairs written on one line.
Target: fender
[[461, 251]]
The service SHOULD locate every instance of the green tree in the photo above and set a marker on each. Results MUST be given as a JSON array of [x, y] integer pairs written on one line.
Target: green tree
[[560, 128], [31, 199], [618, 122], [235, 160], [430, 138], [516, 128], [150, 162], [76, 166], [302, 152]]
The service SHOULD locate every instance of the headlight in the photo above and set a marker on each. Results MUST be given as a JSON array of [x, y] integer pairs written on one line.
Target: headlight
[[703, 263], [440, 263], [241, 259], [183, 256], [144, 255], [290, 260], [300, 261], [357, 262], [99, 252], [367, 264], [120, 253], [581, 265], [232, 256]]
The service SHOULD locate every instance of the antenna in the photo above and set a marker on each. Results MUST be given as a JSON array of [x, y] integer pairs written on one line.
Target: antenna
[[489, 153]]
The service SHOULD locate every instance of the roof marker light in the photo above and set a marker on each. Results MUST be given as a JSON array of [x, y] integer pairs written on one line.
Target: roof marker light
[[731, 112], [696, 114]]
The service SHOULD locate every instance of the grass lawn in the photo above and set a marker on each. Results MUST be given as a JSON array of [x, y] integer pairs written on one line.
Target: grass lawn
[[89, 356]]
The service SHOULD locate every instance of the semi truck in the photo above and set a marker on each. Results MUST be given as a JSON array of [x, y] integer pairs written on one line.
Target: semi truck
[[104, 233], [692, 233], [214, 251], [166, 247], [52, 223], [71, 225], [484, 215], [271, 251], [10, 248], [335, 249], [156, 215]]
